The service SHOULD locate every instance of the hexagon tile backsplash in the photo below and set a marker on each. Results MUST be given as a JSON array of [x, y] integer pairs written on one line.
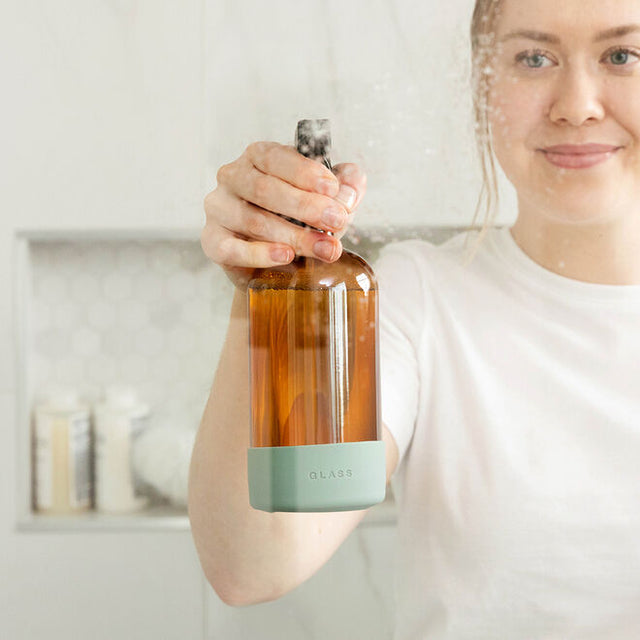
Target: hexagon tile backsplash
[[150, 315]]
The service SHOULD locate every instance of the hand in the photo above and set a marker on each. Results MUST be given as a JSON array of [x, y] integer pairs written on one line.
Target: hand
[[242, 230]]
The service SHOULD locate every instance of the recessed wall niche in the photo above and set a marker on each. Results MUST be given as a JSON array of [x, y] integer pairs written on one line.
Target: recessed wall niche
[[140, 311], [147, 314]]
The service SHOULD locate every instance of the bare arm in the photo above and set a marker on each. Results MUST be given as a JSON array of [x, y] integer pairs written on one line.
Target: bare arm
[[250, 556], [247, 555]]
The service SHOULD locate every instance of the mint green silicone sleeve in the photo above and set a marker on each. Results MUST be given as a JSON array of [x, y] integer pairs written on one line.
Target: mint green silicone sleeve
[[317, 477]]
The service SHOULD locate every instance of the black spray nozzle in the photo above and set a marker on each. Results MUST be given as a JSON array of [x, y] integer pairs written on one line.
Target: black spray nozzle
[[313, 139]]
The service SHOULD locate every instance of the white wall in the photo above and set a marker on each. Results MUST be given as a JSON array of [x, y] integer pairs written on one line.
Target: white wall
[[392, 75]]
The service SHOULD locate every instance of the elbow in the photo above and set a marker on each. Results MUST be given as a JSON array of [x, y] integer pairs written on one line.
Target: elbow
[[230, 596], [237, 593]]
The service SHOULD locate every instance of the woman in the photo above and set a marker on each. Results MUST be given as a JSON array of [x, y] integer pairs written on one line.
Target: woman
[[511, 384]]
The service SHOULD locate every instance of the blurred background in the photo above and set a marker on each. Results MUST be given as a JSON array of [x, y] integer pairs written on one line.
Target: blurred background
[[116, 116]]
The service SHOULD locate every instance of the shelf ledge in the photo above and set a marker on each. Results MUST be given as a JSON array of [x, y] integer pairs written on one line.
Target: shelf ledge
[[153, 519]]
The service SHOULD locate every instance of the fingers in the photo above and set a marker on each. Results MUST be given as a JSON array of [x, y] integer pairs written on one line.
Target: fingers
[[290, 166], [239, 234], [233, 252], [353, 184], [274, 194], [244, 224]]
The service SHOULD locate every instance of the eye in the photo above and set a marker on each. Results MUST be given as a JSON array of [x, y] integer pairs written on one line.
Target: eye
[[621, 57], [533, 59]]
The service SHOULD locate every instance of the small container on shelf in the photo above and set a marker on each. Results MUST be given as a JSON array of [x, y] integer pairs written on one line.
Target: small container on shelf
[[118, 421], [61, 446]]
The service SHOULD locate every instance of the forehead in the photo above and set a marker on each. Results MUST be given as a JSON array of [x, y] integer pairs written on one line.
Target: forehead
[[566, 16]]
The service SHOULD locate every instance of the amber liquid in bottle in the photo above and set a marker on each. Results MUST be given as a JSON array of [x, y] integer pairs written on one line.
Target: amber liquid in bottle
[[313, 356]]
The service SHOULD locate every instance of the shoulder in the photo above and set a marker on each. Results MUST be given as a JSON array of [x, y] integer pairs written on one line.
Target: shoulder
[[420, 278], [415, 278], [424, 262]]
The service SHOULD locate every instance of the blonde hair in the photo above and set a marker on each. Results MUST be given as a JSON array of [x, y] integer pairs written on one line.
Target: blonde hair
[[483, 23]]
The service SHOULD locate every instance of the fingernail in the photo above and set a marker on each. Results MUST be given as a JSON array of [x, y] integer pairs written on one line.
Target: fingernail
[[324, 249], [333, 217], [327, 188], [347, 196], [281, 255]]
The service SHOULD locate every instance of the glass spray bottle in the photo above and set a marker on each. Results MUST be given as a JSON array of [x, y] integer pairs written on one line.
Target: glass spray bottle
[[314, 381]]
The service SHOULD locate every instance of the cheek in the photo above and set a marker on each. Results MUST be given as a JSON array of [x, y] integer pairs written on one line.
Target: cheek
[[623, 113], [623, 107], [516, 112]]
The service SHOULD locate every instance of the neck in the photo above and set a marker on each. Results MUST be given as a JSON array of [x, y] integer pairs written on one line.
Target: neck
[[602, 253]]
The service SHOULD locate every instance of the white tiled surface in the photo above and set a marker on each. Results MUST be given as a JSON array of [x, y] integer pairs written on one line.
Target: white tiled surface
[[147, 314]]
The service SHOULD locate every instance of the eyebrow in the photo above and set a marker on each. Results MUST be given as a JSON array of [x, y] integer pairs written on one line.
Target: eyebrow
[[538, 36], [617, 32], [541, 36]]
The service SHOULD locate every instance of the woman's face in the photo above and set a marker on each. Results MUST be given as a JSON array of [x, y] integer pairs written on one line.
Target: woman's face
[[565, 106]]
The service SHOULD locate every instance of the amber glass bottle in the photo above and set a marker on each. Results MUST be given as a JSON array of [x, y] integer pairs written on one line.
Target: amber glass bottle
[[314, 378]]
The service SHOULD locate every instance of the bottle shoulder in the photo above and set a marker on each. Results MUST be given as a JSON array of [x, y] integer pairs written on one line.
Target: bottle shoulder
[[350, 271]]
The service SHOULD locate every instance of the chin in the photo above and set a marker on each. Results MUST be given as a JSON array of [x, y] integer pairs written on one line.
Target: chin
[[578, 204], [577, 215], [578, 219]]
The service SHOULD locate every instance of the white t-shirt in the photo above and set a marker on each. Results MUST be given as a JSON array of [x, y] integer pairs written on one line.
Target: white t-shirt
[[514, 396]]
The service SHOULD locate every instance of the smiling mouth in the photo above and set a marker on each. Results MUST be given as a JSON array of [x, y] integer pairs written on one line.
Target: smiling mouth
[[567, 156]]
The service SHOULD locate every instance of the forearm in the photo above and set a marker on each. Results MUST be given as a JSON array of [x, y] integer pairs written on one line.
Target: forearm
[[248, 555]]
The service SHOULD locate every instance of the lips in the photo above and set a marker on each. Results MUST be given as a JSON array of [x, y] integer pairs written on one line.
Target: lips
[[578, 156]]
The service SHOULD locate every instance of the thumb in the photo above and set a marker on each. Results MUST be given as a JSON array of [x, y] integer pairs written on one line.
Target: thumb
[[353, 185]]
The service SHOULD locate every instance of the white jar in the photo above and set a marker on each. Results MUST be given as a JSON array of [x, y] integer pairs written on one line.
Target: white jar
[[62, 480], [118, 421]]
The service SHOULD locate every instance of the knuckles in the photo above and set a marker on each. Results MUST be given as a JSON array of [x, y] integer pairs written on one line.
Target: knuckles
[[214, 246], [222, 251], [256, 226], [254, 148], [224, 173], [260, 188], [209, 201], [271, 153], [205, 242], [308, 207], [260, 149]]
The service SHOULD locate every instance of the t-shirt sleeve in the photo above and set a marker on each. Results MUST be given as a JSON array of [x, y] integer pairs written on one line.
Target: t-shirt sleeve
[[401, 320]]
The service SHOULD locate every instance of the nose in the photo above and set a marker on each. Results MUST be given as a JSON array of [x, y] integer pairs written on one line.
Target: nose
[[577, 100]]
